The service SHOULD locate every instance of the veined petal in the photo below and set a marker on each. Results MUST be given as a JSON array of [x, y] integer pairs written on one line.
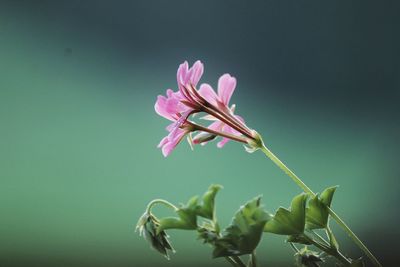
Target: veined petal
[[163, 142], [182, 72], [173, 141], [216, 126], [221, 143], [196, 72], [208, 93], [226, 86], [170, 106], [160, 107]]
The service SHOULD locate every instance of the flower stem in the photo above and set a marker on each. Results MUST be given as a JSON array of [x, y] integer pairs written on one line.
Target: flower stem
[[223, 134], [160, 201], [253, 259], [239, 261], [231, 261], [294, 247], [307, 190]]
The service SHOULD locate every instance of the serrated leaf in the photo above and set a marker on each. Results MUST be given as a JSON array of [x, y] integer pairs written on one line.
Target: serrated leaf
[[289, 222], [186, 219], [317, 213], [244, 233], [207, 208]]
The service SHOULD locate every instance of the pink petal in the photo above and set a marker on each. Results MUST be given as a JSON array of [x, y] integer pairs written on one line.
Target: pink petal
[[208, 93], [216, 126], [167, 149], [160, 107], [181, 75], [163, 142], [226, 86], [196, 72], [172, 143], [221, 143], [230, 130]]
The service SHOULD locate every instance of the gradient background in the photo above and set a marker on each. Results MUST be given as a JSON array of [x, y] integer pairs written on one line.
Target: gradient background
[[78, 80]]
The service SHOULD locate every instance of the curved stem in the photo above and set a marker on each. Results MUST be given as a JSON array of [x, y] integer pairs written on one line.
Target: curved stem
[[306, 189], [160, 201]]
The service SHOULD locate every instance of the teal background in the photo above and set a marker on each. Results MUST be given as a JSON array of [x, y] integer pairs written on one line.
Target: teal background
[[78, 156]]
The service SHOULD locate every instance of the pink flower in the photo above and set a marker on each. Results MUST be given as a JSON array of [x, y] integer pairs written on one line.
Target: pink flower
[[178, 106], [189, 77], [226, 87], [172, 107]]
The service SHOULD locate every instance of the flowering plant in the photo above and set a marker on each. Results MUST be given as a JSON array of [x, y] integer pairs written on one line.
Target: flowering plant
[[303, 223]]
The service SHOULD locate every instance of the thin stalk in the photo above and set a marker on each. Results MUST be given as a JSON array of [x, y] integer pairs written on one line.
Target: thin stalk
[[239, 261], [226, 119], [211, 109], [253, 259], [320, 238], [231, 261], [294, 247], [223, 134], [161, 201], [307, 190], [330, 251]]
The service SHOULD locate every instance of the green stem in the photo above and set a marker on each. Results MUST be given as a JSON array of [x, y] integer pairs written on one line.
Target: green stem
[[294, 247], [239, 261], [231, 261], [306, 189], [160, 201], [253, 259], [330, 251], [320, 238]]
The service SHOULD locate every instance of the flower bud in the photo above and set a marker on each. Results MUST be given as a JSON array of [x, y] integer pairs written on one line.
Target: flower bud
[[147, 226]]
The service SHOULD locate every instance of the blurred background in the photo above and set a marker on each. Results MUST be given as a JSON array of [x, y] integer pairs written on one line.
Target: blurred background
[[78, 158]]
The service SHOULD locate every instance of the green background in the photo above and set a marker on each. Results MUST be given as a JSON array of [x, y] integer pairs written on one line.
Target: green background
[[78, 156]]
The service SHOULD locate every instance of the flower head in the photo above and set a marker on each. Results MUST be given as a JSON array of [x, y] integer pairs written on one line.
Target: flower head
[[180, 105], [226, 87]]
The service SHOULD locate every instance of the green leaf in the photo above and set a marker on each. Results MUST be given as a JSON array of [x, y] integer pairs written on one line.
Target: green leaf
[[186, 219], [207, 208], [301, 239], [332, 239], [287, 222], [244, 233], [317, 213]]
